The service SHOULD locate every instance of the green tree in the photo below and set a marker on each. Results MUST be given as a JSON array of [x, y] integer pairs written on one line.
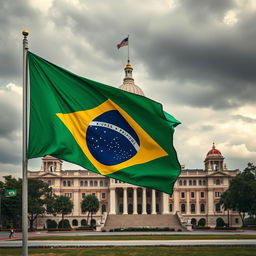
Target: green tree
[[241, 195], [11, 207], [39, 194], [90, 204], [60, 205]]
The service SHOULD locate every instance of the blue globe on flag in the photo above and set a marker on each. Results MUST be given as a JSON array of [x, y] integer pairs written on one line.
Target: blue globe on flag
[[110, 139]]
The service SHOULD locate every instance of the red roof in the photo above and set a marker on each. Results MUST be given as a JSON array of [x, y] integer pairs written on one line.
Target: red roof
[[214, 151]]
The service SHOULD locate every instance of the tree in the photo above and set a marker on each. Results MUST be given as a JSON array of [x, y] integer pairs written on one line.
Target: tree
[[61, 205], [90, 204], [12, 206], [241, 195], [39, 194]]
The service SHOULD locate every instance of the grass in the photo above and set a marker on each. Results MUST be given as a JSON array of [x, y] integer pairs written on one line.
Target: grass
[[136, 251], [145, 237]]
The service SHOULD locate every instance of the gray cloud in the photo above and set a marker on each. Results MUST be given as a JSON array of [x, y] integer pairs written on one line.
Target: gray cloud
[[245, 119]]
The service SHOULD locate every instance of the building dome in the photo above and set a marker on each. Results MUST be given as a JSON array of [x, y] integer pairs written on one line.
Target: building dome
[[128, 84], [214, 151]]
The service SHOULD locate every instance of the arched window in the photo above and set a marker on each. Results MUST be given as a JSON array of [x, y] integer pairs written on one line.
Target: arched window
[[64, 183], [101, 183], [201, 222], [69, 183], [85, 183], [170, 207], [202, 207], [180, 182], [184, 182], [81, 183], [74, 223], [91, 183], [192, 208], [183, 208], [220, 222], [83, 222], [193, 222], [139, 208], [95, 183]]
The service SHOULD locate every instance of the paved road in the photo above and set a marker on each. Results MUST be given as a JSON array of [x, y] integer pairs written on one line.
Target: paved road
[[144, 243], [4, 235]]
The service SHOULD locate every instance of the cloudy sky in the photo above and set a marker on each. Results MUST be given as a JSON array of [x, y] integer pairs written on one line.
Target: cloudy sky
[[198, 58]]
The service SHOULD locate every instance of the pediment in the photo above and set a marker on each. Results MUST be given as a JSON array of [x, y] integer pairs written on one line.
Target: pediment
[[218, 173], [48, 175]]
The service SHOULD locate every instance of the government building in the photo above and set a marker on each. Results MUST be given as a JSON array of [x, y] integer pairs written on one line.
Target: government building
[[195, 200]]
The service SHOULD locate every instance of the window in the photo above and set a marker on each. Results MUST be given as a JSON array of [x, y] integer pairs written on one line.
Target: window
[[202, 207], [93, 194], [200, 182], [64, 183], [83, 195], [180, 182], [190, 182], [217, 208], [204, 182], [91, 183], [202, 194], [103, 195], [130, 194], [68, 195], [236, 220], [218, 194], [192, 194], [217, 181], [106, 183], [170, 207], [74, 223], [81, 183], [69, 183], [185, 183], [85, 183], [183, 208], [95, 183], [192, 208], [194, 182], [103, 208], [49, 182], [101, 183], [182, 194]]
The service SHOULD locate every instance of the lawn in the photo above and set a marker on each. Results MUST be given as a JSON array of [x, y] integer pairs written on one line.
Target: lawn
[[146, 237], [136, 251]]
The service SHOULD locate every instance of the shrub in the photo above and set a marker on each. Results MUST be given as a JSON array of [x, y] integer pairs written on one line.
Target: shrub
[[64, 224], [51, 224]]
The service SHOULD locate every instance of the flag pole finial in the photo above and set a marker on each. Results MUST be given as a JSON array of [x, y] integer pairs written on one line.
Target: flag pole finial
[[25, 32]]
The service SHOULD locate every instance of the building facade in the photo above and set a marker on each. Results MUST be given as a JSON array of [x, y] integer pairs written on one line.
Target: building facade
[[195, 198]]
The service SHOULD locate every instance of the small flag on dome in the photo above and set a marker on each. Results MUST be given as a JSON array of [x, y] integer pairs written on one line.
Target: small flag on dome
[[123, 43]]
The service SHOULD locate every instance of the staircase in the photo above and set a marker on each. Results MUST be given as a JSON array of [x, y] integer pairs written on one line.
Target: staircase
[[140, 221]]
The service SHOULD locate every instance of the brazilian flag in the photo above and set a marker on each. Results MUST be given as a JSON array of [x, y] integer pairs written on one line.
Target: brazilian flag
[[104, 129], [10, 192]]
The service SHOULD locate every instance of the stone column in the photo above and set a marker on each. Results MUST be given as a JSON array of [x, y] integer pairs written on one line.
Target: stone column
[[112, 199], [144, 210], [125, 201], [188, 204], [135, 211], [210, 202], [76, 203], [153, 202], [176, 202], [197, 202], [165, 203]]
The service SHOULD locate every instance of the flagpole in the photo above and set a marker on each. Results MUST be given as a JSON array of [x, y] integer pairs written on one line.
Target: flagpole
[[128, 49], [24, 150]]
